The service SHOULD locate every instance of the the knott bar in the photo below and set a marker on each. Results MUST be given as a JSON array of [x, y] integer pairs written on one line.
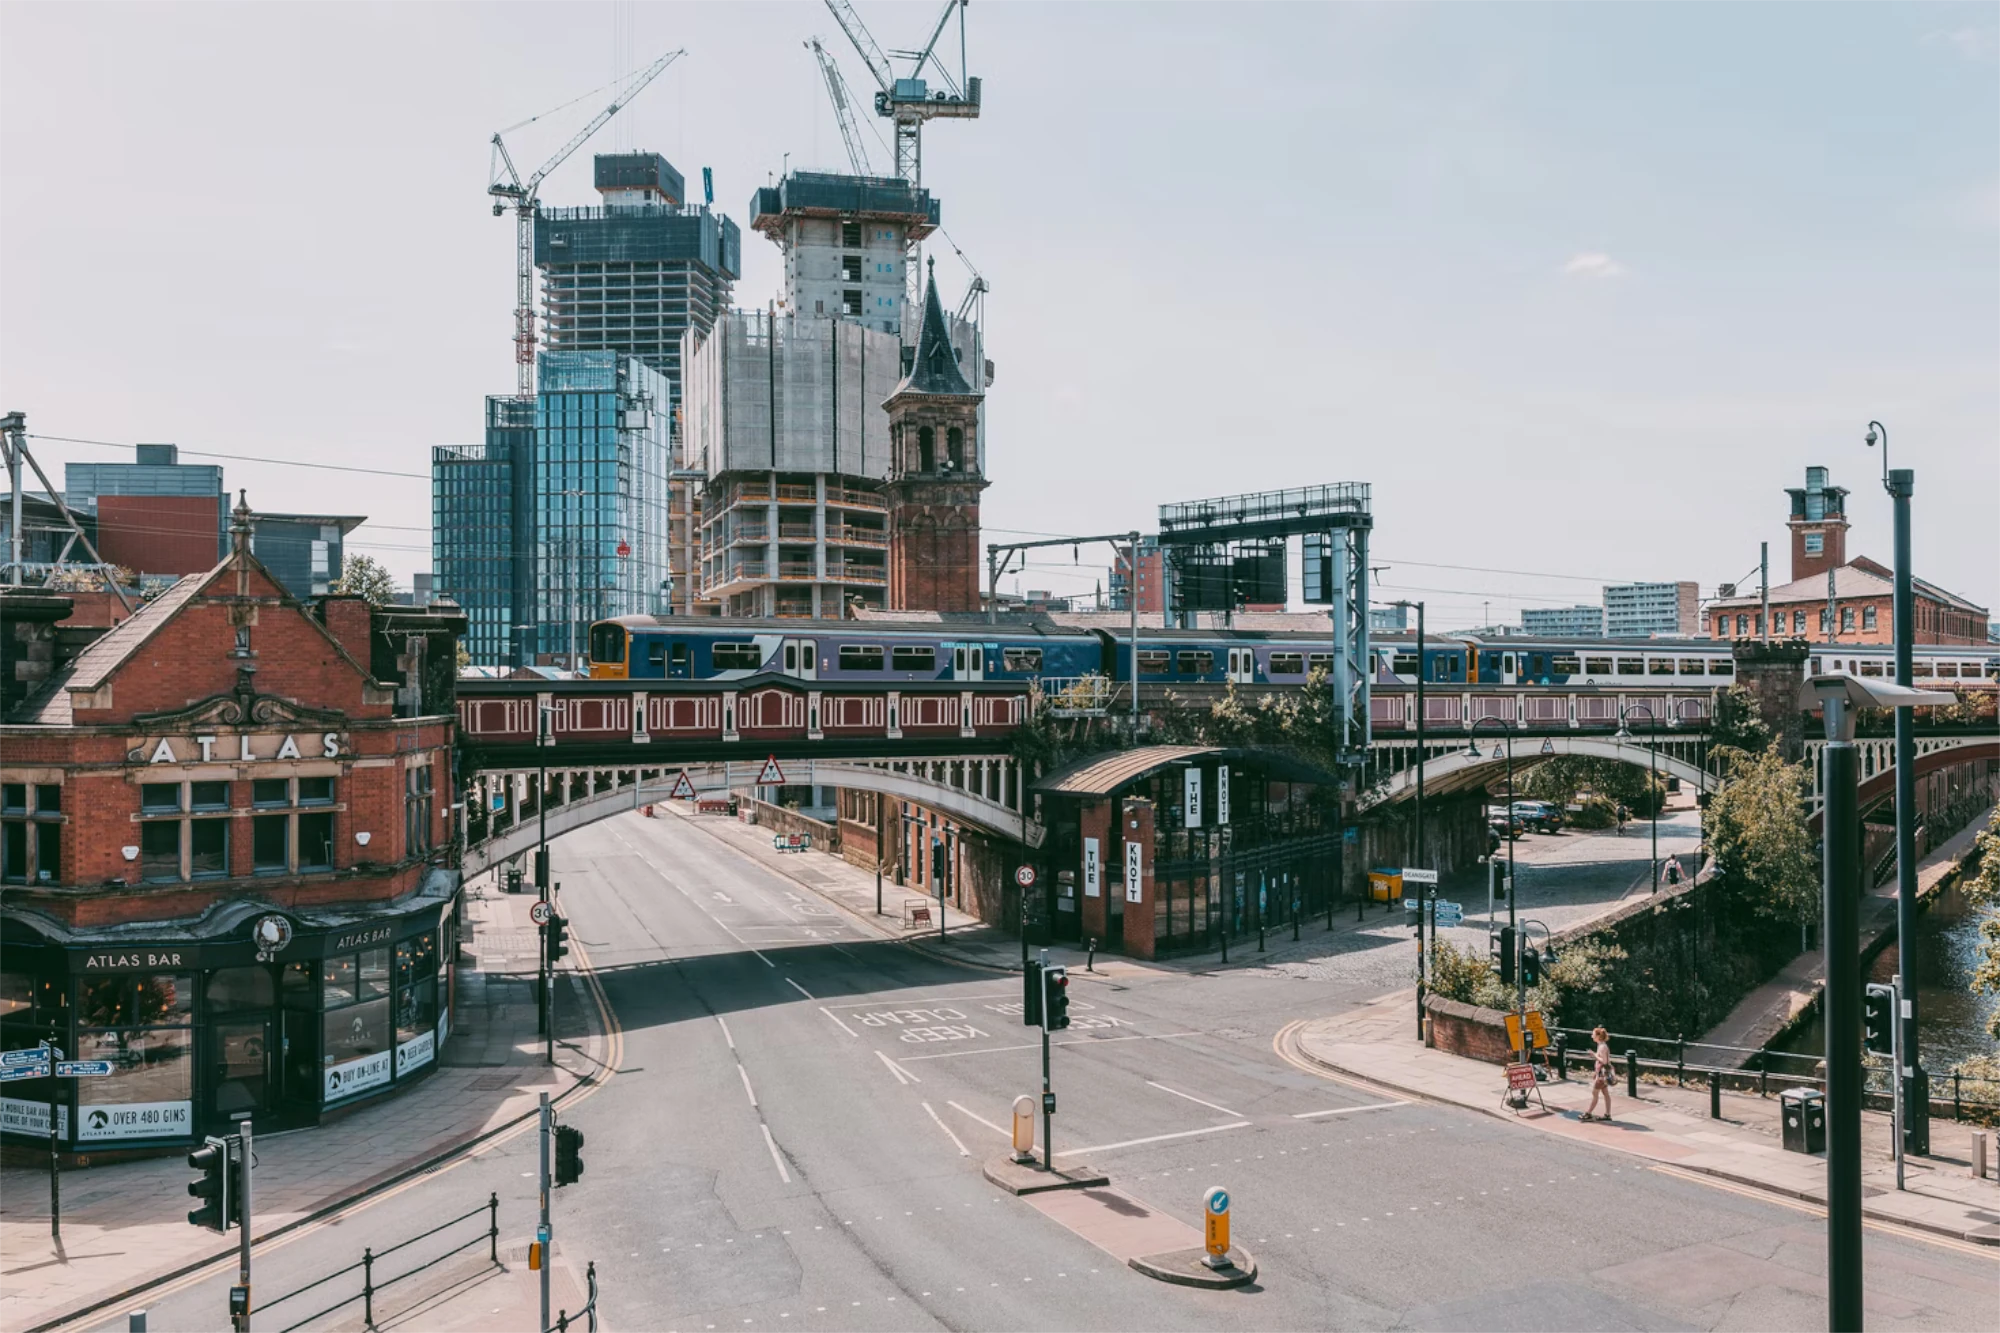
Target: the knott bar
[[224, 833]]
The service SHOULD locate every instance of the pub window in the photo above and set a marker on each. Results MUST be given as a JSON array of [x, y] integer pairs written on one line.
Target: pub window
[[271, 791], [417, 805], [315, 791], [155, 797], [902, 658], [270, 844], [860, 657], [141, 1024], [416, 986], [355, 994], [31, 843], [160, 850], [315, 842], [208, 847], [1288, 664], [1199, 663], [14, 797], [1154, 661], [209, 795]]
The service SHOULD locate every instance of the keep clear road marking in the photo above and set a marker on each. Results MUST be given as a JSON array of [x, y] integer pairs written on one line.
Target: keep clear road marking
[[1196, 1100], [772, 1144], [1156, 1138], [981, 1119], [725, 1032], [797, 987], [947, 1130], [903, 1075], [1346, 1110], [836, 1018]]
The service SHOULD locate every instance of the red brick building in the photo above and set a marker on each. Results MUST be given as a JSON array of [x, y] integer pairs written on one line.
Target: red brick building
[[224, 837], [934, 477]]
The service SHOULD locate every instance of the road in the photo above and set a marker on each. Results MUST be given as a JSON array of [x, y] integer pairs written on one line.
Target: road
[[794, 1134]]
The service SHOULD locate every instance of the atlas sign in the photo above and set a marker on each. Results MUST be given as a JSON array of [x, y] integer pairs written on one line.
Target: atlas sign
[[241, 748]]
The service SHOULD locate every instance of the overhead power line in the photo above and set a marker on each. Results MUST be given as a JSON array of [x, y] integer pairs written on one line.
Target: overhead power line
[[242, 458]]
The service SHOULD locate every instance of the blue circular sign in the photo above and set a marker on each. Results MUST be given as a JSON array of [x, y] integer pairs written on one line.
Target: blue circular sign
[[1218, 1201]]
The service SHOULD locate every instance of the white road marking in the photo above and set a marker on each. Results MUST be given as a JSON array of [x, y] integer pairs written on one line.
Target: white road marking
[[1347, 1110], [725, 1033], [836, 1018], [1196, 1100], [760, 957], [772, 1144], [748, 1091], [981, 1119], [1155, 1138], [947, 1130], [902, 1075], [928, 999], [1030, 1046], [800, 989]]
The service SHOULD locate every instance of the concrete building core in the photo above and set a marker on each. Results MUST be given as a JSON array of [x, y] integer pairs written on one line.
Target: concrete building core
[[844, 240]]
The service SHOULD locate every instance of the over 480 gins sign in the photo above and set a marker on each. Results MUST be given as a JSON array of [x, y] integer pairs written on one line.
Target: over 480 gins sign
[[239, 748]]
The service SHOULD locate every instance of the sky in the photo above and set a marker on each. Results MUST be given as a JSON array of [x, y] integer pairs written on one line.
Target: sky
[[1579, 289]]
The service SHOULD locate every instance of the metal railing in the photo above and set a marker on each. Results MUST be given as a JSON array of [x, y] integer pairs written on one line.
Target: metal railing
[[369, 1258], [589, 1311], [1077, 696]]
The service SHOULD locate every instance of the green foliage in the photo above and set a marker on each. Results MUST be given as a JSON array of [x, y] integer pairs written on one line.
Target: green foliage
[[464, 656], [362, 576], [1982, 889], [1562, 778], [1757, 832], [1593, 812], [1738, 726]]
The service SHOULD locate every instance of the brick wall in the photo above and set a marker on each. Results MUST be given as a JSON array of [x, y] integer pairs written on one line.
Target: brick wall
[[1468, 1030]]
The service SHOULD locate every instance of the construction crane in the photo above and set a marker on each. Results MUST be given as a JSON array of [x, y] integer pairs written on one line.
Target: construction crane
[[523, 197], [843, 108], [909, 102]]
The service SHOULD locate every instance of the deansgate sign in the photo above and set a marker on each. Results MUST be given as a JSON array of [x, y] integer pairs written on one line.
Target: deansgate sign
[[241, 747]]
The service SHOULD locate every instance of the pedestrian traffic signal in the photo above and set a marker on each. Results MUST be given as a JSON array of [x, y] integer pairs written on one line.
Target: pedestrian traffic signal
[[1507, 954], [212, 1160], [556, 937], [1531, 966], [569, 1154], [1055, 981], [1031, 993], [1878, 1015]]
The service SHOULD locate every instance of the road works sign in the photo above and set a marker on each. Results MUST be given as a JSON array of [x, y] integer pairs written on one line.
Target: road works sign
[[683, 788]]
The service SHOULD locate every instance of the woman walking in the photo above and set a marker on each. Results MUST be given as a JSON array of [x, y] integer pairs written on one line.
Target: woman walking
[[1600, 1074]]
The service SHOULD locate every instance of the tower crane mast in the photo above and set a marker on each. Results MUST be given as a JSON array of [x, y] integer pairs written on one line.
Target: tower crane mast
[[509, 188]]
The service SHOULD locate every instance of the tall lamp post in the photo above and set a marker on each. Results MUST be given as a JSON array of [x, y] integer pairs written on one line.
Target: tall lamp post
[[1653, 798], [1422, 948], [1472, 752], [1901, 484]]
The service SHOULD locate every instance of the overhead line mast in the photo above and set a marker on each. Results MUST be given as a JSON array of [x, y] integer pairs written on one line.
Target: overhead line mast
[[524, 197]]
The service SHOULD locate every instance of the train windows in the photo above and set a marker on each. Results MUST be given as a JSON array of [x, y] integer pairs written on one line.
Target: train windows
[[656, 652], [1691, 666], [607, 644], [1596, 666], [1872, 668], [1723, 666], [913, 657], [677, 663], [1288, 664], [1631, 666], [737, 656], [1564, 665], [1154, 661], [1021, 659], [1324, 662], [1659, 666], [1946, 670], [1194, 663], [860, 657], [1404, 664]]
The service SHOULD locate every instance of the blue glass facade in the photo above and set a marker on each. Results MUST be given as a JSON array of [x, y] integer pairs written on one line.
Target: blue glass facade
[[528, 528]]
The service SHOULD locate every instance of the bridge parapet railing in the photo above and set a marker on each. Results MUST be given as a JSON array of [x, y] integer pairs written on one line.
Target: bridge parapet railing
[[1077, 696]]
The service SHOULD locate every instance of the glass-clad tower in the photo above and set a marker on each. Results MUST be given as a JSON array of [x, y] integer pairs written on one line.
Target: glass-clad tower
[[560, 517]]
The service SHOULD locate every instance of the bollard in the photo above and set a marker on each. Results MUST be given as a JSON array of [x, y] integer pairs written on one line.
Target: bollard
[[1979, 1141], [1631, 1072], [1215, 1232], [135, 1322], [1680, 1061], [1295, 920], [1090, 955], [1024, 1129], [1715, 1094], [1955, 1109], [1562, 1056], [1260, 933]]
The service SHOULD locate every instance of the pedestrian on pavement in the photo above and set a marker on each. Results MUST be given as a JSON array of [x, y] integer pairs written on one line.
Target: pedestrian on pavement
[[1600, 1074], [1621, 819]]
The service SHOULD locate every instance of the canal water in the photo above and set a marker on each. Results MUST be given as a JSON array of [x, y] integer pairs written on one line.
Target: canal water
[[1952, 1020]]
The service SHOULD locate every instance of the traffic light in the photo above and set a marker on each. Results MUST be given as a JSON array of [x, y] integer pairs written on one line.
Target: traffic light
[[212, 1160], [569, 1154], [1507, 954], [1531, 966], [1878, 1018], [557, 939], [1031, 994], [1056, 980]]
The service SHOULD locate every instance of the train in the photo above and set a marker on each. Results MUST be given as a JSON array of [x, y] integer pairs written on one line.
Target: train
[[1043, 649]]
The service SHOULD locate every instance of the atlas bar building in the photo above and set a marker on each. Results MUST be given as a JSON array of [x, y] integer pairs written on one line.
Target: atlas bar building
[[224, 848]]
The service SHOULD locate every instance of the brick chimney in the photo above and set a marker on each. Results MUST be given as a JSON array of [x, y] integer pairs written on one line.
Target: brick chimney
[[350, 619]]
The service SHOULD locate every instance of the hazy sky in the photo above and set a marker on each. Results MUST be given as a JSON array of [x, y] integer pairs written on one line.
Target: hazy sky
[[1580, 289]]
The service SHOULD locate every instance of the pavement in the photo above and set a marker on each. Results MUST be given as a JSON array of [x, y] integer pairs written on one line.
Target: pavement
[[1666, 1124], [124, 1224]]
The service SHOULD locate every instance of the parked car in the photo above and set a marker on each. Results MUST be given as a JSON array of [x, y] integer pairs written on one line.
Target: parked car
[[1540, 816]]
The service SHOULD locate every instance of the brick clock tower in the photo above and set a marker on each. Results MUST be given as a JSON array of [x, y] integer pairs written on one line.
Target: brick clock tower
[[934, 477]]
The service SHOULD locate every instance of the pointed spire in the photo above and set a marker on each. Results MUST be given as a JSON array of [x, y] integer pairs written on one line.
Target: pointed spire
[[239, 525], [936, 367]]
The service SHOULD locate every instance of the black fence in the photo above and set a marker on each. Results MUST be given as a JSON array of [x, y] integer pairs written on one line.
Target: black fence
[[588, 1314], [370, 1257]]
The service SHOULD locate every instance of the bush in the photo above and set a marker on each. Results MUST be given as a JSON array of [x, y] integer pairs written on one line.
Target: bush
[[1592, 812]]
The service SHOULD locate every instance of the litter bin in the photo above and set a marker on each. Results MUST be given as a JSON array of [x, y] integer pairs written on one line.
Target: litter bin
[[1803, 1112]]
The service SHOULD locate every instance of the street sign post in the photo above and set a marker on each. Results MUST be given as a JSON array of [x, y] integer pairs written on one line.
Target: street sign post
[[1215, 1213], [14, 1072], [1025, 877], [1419, 876], [541, 912], [33, 1055], [83, 1068]]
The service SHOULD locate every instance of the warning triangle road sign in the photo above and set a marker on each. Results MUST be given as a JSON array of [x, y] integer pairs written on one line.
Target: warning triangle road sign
[[683, 788], [772, 776]]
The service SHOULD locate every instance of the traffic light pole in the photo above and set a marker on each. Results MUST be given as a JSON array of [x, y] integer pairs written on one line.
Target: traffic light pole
[[55, 1146], [1048, 1116], [545, 1233], [1899, 1127], [1839, 890], [240, 1312]]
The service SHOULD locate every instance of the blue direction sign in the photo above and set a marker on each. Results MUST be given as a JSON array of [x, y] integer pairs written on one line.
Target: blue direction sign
[[13, 1072], [83, 1068], [1449, 913], [32, 1055]]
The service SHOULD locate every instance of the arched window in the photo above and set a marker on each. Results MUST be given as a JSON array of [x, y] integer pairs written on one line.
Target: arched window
[[954, 447], [926, 449]]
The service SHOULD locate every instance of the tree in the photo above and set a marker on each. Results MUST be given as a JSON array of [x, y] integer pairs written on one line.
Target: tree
[[362, 576], [1982, 889], [1738, 724], [1757, 831]]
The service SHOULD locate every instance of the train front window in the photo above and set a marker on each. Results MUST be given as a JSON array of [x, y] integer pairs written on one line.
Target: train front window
[[607, 644]]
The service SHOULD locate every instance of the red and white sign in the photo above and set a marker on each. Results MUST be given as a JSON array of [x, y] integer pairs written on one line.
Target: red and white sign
[[540, 913], [1025, 877], [1520, 1077], [683, 788], [772, 776], [624, 549]]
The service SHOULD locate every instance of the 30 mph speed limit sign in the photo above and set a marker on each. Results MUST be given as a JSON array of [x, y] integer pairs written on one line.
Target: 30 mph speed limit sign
[[540, 913], [1025, 877]]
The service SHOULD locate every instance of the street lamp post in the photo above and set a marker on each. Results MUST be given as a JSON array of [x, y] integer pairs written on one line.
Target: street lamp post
[[1421, 863], [1653, 797], [1501, 722], [1901, 484]]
